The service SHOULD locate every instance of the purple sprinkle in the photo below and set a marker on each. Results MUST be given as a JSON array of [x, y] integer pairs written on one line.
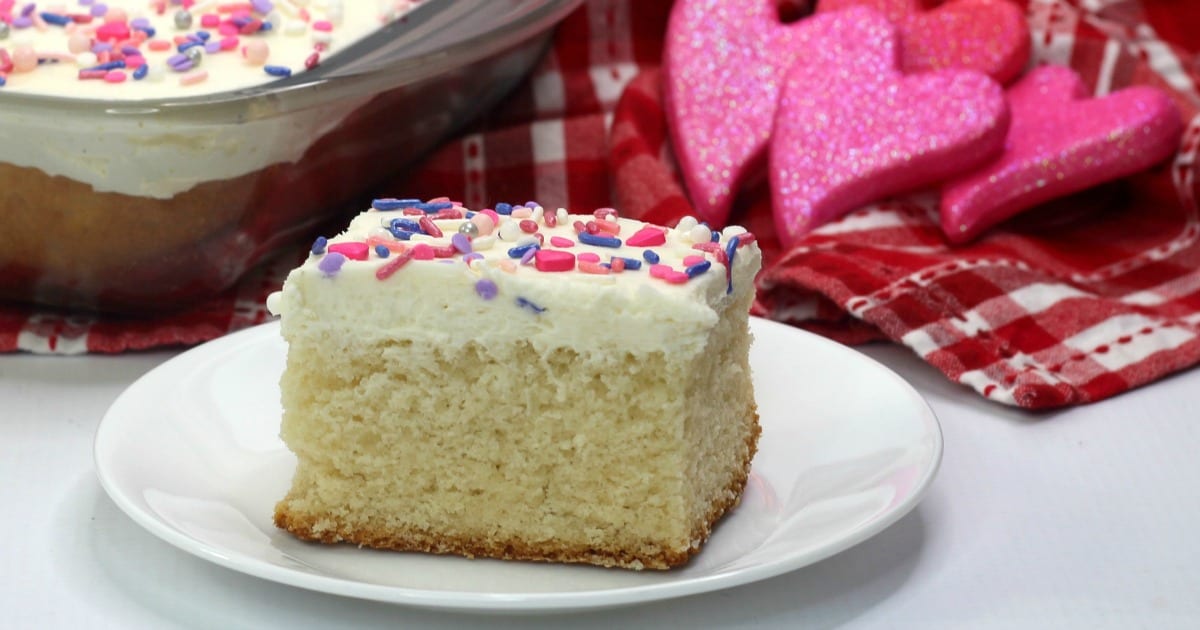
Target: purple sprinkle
[[99, 9], [331, 263], [22, 21], [212, 47], [262, 6], [528, 255], [140, 23], [28, 9], [86, 3], [461, 243], [179, 62], [128, 50], [486, 289], [100, 47]]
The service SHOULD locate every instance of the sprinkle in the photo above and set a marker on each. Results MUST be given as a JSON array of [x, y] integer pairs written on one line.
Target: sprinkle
[[553, 260], [56, 19], [423, 251], [393, 265], [590, 257], [393, 204], [318, 246], [354, 250], [593, 268], [651, 256], [730, 252], [745, 239], [520, 250], [524, 303], [461, 242], [527, 257], [486, 289], [193, 77], [429, 227], [444, 251], [331, 263], [278, 71], [605, 213], [433, 206], [608, 227], [648, 236], [559, 241], [617, 264], [632, 264], [550, 218], [527, 226], [504, 208], [599, 241], [659, 271], [115, 76], [382, 251], [692, 259], [698, 268]]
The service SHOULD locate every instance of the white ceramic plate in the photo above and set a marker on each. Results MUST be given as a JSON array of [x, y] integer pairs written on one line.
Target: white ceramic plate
[[190, 452]]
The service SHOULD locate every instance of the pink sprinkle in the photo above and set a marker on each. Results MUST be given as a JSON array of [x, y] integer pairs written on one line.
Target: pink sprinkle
[[580, 228], [111, 31], [229, 43], [708, 247], [693, 259], [591, 227], [423, 251], [550, 218], [354, 250], [210, 20], [648, 236], [193, 77], [92, 74], [228, 29], [605, 213], [608, 227], [553, 260], [745, 239], [593, 267], [324, 26], [559, 241], [617, 264], [676, 277], [589, 257], [660, 271], [491, 214], [158, 45], [522, 213], [429, 227], [445, 251], [394, 264], [133, 62], [528, 226], [115, 76]]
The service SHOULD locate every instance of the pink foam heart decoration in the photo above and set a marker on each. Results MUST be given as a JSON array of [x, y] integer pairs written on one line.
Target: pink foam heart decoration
[[723, 64], [854, 129], [1061, 142], [990, 36]]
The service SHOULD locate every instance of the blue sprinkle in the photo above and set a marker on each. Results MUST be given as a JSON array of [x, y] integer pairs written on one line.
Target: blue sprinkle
[[318, 246], [716, 237], [3, 81], [382, 251], [266, 26], [278, 71], [408, 225], [430, 208], [394, 204], [730, 251], [331, 263], [203, 35], [521, 250], [56, 19], [503, 208], [469, 214], [488, 289], [650, 256], [599, 241], [698, 269], [148, 30], [112, 65], [524, 303], [403, 235], [632, 264], [186, 45]]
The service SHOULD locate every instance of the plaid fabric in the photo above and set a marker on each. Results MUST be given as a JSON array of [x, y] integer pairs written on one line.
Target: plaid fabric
[[1072, 303]]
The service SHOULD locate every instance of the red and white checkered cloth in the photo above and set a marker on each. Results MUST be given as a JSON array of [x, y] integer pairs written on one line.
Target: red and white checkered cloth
[[1075, 302]]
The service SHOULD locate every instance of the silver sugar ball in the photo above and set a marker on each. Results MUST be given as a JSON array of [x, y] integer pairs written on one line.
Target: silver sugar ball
[[196, 54], [468, 228], [4, 30], [183, 19]]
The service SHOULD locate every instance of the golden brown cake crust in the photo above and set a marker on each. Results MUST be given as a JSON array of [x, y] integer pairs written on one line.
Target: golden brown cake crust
[[305, 526]]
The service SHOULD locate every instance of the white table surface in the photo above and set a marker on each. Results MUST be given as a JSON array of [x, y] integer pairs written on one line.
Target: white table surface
[[1083, 518]]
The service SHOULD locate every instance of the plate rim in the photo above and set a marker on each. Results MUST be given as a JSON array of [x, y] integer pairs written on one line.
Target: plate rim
[[504, 602]]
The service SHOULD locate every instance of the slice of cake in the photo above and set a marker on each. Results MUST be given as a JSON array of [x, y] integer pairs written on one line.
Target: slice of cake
[[518, 383]]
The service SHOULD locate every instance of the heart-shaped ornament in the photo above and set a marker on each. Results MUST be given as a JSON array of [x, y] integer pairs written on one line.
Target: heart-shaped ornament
[[723, 64], [853, 129], [1061, 142], [990, 36]]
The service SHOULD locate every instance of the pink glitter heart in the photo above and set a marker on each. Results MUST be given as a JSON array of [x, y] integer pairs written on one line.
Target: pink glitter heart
[[723, 64], [1061, 142], [852, 129], [990, 36]]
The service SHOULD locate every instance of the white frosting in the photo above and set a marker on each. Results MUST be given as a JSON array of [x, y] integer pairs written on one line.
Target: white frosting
[[548, 308], [159, 155]]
